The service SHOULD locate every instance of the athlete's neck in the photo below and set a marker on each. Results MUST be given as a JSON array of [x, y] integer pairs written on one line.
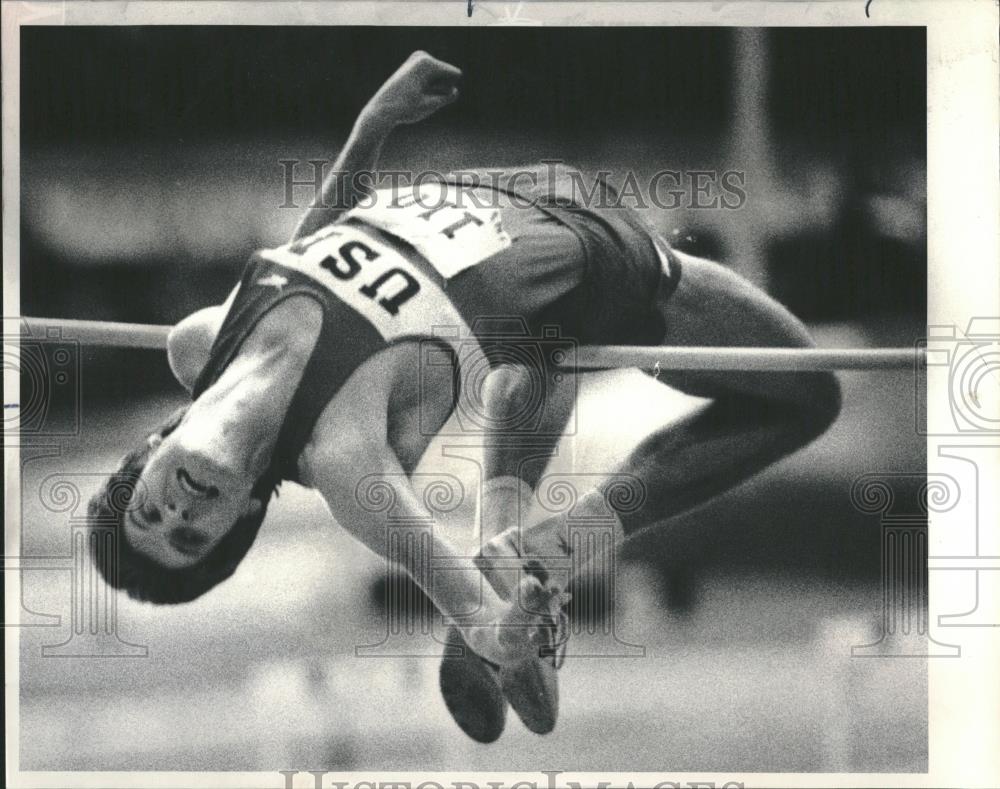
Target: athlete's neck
[[238, 418]]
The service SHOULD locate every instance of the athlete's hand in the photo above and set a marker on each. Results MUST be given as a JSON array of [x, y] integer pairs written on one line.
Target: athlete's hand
[[419, 88]]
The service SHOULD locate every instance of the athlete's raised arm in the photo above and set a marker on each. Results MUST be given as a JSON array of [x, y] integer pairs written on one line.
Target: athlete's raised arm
[[418, 88]]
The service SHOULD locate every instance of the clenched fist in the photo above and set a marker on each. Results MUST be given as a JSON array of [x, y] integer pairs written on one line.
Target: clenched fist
[[418, 88]]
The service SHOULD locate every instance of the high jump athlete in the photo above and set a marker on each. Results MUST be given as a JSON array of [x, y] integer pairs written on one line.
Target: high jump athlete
[[312, 371]]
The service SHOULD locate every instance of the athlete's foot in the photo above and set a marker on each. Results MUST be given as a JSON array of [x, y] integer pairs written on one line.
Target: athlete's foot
[[531, 685], [476, 690], [527, 646], [537, 626], [472, 690], [470, 684], [516, 660]]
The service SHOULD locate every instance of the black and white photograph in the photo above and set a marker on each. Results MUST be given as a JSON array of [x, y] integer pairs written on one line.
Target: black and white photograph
[[457, 394]]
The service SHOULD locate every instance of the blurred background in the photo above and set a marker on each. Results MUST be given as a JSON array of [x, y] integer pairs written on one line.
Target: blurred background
[[151, 168]]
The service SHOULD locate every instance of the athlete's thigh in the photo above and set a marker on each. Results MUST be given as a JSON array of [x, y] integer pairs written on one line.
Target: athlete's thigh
[[712, 305]]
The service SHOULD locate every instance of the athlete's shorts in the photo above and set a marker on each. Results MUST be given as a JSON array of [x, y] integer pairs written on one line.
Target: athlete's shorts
[[579, 260]]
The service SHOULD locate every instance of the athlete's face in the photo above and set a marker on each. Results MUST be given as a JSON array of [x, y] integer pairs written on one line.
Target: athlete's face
[[188, 501]]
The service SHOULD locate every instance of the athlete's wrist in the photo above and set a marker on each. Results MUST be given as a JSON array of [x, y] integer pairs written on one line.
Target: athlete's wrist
[[376, 120]]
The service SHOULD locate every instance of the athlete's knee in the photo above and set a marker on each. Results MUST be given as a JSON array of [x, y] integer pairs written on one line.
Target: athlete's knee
[[806, 419], [824, 406], [508, 390], [189, 344]]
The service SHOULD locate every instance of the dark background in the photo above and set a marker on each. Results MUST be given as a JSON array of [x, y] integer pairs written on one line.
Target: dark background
[[153, 99]]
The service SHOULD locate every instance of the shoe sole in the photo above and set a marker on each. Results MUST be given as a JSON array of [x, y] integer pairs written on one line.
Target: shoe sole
[[472, 691], [532, 688]]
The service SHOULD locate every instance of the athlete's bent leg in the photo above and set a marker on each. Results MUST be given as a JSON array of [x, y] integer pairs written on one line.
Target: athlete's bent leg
[[754, 419]]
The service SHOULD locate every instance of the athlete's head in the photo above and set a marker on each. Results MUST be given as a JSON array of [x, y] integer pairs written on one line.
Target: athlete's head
[[183, 521]]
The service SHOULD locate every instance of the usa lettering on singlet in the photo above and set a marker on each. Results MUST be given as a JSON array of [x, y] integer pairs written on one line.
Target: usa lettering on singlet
[[372, 278]]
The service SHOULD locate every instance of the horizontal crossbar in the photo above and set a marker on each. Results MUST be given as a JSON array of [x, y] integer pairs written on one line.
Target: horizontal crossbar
[[141, 335]]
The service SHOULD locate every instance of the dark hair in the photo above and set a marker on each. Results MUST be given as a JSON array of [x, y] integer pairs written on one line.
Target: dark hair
[[141, 577]]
